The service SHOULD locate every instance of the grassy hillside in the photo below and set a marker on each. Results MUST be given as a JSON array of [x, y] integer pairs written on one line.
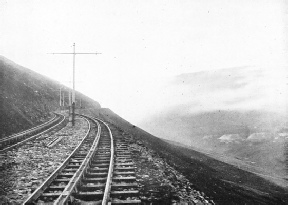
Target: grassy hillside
[[27, 98]]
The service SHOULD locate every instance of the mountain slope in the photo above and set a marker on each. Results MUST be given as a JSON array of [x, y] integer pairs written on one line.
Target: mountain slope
[[27, 98], [236, 112], [225, 183]]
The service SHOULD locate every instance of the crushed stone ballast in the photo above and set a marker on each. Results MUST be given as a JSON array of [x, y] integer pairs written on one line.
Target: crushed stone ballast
[[98, 171]]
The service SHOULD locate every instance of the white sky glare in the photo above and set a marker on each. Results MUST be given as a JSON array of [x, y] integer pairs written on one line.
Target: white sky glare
[[143, 42]]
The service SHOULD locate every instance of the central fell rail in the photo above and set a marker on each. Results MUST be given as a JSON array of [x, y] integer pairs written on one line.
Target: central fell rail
[[87, 176]]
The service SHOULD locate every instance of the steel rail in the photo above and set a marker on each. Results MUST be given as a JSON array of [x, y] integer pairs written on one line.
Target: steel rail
[[63, 198], [98, 177], [124, 188], [64, 118], [108, 189], [27, 131], [106, 197], [34, 136], [47, 182], [54, 141], [124, 171]]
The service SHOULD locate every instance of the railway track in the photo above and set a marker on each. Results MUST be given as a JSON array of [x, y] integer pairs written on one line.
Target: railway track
[[124, 188], [17, 139], [99, 171]]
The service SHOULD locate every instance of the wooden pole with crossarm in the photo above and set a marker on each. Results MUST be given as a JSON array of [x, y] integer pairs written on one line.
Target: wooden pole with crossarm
[[73, 92]]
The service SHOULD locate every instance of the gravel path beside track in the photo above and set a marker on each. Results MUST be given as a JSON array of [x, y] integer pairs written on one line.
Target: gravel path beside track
[[30, 164]]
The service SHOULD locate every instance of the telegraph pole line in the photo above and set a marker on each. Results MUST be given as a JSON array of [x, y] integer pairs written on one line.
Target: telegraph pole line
[[73, 92]]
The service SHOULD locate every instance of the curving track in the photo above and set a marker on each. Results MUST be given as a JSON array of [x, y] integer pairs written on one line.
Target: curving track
[[99, 171], [124, 188], [17, 139]]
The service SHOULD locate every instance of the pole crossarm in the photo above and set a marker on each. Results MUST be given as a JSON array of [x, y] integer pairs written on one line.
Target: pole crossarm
[[73, 93], [75, 53]]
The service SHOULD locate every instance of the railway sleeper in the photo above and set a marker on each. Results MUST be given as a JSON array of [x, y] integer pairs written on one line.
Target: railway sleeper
[[65, 175], [123, 157], [130, 201], [94, 180], [89, 196], [103, 149], [97, 170], [122, 146], [95, 175], [78, 158], [106, 154], [127, 188], [123, 160], [123, 173], [102, 158], [124, 178], [126, 151], [60, 180], [55, 189], [71, 166], [68, 172], [125, 192], [124, 163], [99, 164], [91, 188], [124, 184], [47, 197], [123, 168]]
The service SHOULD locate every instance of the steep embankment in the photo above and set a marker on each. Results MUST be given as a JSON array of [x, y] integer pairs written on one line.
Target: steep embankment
[[27, 98], [225, 183]]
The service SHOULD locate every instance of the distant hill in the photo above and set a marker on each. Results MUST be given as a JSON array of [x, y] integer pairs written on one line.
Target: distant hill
[[237, 112], [27, 98], [218, 122]]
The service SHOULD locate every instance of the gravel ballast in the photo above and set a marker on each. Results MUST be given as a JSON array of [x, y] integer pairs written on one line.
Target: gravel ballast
[[26, 167]]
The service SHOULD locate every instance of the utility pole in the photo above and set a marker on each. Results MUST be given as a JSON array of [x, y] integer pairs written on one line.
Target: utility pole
[[70, 101], [63, 99], [73, 92], [60, 98]]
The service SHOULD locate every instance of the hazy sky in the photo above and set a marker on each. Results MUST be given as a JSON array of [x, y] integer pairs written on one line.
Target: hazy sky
[[142, 42]]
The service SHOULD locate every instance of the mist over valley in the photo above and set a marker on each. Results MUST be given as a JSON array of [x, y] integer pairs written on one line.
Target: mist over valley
[[235, 112]]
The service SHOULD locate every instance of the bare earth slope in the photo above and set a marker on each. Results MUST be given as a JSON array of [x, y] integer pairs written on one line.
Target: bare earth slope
[[27, 98], [225, 183]]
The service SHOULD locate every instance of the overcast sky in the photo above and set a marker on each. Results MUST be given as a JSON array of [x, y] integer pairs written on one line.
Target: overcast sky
[[142, 42]]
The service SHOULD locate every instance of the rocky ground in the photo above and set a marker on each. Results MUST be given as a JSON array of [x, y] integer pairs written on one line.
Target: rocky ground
[[159, 182], [26, 167]]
